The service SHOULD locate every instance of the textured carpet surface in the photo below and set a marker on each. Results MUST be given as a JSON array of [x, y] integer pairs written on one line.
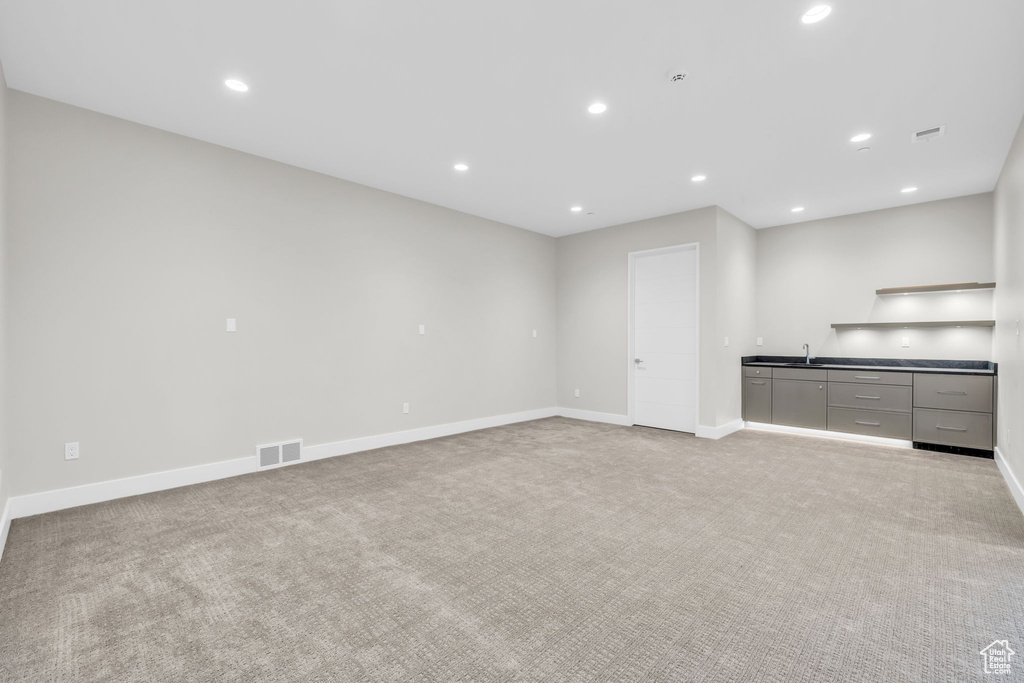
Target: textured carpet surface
[[553, 550]]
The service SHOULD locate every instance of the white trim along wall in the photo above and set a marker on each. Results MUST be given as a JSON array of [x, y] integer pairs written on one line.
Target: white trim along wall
[[61, 499]]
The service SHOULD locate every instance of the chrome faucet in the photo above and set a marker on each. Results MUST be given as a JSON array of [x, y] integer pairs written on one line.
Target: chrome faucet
[[807, 353]]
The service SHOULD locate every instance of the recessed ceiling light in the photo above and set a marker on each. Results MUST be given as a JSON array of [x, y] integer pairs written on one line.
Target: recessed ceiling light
[[699, 178], [597, 108], [797, 209], [908, 190], [461, 167], [860, 137], [236, 85], [576, 209], [816, 14]]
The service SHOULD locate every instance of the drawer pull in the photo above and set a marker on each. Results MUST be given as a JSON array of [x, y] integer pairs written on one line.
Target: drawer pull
[[873, 398], [951, 429], [869, 424], [865, 377], [761, 381], [952, 393]]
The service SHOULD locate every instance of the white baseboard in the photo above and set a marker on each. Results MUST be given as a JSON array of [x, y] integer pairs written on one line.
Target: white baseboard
[[902, 443], [368, 443], [719, 432], [5, 526], [592, 416], [1011, 479], [60, 499]]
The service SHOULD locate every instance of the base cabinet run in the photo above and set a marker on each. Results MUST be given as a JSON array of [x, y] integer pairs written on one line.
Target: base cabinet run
[[931, 409]]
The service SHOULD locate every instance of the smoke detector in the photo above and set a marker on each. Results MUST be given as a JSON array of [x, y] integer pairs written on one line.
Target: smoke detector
[[928, 134], [677, 75]]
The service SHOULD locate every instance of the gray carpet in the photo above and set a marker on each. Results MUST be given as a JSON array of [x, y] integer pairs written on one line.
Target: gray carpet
[[554, 550]]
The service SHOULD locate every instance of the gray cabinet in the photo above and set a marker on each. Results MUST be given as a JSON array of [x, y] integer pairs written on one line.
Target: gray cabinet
[[954, 410], [799, 403], [972, 393], [945, 409], [953, 428], [757, 399]]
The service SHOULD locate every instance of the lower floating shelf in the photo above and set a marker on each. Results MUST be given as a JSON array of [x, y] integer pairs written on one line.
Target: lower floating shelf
[[939, 323]]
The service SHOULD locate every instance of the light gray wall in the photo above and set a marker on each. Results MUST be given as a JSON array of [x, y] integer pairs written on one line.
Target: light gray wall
[[1009, 233], [813, 274], [736, 311], [593, 292], [130, 246], [5, 469]]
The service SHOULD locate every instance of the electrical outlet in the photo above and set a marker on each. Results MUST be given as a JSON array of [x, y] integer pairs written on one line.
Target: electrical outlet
[[405, 407], [760, 341], [905, 342], [535, 334], [577, 393], [71, 451], [726, 341], [231, 325], [423, 329]]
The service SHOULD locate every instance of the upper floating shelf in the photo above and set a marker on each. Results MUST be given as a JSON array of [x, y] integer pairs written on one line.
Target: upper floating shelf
[[936, 288], [934, 323]]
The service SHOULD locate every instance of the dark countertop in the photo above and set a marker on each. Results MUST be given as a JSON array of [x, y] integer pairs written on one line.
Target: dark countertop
[[948, 367]]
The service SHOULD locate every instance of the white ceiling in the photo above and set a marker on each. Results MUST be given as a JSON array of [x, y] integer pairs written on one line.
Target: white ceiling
[[392, 94]]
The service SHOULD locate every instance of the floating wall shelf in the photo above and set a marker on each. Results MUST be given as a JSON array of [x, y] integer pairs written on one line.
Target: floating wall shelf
[[935, 288], [941, 323]]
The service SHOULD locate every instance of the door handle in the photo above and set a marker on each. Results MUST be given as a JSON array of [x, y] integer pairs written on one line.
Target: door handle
[[951, 429], [637, 361], [865, 377], [952, 393], [873, 398], [868, 424]]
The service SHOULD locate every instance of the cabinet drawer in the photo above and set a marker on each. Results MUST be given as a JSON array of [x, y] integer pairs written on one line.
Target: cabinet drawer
[[798, 404], [953, 392], [871, 397], [973, 430], [869, 377], [807, 374], [757, 400], [756, 372], [891, 425]]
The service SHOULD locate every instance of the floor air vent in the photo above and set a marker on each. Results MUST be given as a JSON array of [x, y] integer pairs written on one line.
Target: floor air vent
[[274, 454]]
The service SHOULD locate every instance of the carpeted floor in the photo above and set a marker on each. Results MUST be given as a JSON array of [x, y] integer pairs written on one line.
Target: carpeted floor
[[554, 550]]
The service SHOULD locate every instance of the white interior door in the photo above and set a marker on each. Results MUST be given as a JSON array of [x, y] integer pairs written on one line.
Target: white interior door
[[664, 327]]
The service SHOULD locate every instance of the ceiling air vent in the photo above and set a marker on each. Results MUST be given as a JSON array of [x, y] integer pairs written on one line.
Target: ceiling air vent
[[274, 454], [928, 134]]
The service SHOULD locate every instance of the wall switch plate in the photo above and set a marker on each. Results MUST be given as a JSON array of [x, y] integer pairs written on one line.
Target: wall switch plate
[[231, 325], [577, 393], [405, 407], [423, 329], [905, 342], [726, 341], [535, 334], [71, 451], [760, 341]]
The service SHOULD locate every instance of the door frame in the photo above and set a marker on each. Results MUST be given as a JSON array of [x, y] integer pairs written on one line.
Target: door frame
[[630, 365]]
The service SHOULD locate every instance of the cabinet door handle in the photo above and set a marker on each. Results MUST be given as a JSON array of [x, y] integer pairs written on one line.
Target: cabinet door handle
[[869, 424], [758, 382], [865, 377], [874, 398], [952, 393], [951, 429]]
